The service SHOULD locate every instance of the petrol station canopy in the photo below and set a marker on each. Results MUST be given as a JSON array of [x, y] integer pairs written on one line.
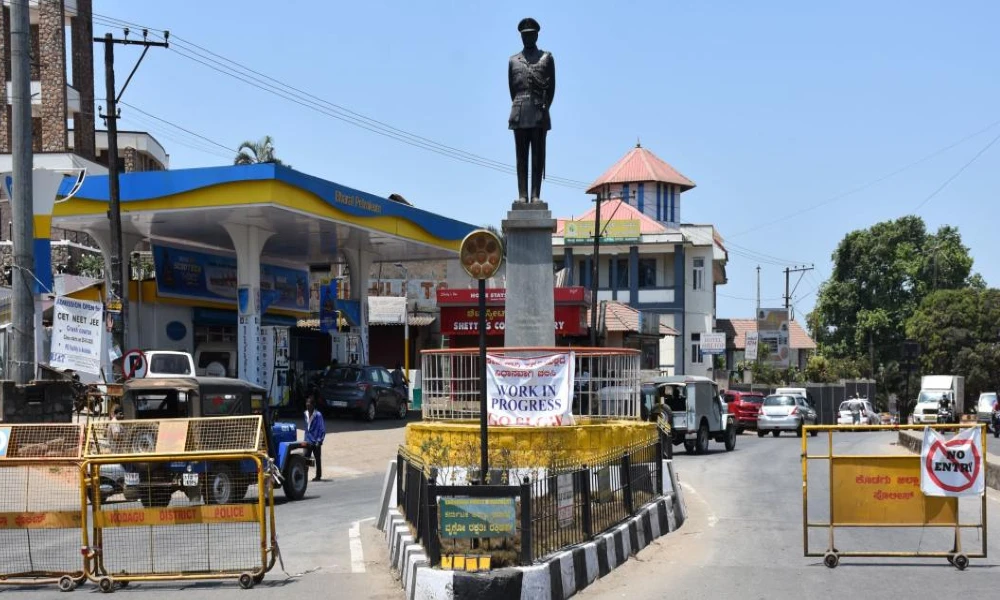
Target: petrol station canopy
[[308, 219]]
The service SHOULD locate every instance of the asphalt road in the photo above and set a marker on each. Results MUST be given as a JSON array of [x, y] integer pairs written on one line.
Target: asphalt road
[[744, 536]]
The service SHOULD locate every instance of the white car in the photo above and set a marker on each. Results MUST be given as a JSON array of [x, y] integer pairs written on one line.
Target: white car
[[866, 416]]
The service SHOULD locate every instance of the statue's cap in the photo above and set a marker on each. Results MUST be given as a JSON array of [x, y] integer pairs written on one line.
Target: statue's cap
[[528, 24]]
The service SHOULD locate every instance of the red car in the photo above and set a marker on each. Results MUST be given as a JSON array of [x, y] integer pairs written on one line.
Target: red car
[[745, 406]]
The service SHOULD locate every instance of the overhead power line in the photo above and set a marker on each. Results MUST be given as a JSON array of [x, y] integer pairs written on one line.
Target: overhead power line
[[876, 181], [957, 173]]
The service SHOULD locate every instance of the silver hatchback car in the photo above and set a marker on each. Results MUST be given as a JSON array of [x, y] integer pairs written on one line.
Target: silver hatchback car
[[784, 413]]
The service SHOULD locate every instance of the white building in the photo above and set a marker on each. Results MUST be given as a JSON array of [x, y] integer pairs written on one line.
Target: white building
[[649, 258]]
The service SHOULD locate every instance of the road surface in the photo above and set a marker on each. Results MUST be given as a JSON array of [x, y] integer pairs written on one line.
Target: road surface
[[744, 537]]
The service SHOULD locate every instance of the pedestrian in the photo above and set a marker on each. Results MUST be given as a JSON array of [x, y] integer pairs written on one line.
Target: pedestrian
[[315, 434], [398, 377]]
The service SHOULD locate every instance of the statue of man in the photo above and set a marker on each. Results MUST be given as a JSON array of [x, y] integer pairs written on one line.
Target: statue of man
[[531, 74]]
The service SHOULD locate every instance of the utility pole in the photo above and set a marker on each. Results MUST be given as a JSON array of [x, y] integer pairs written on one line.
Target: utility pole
[[788, 274], [22, 356], [756, 316], [594, 271], [118, 279]]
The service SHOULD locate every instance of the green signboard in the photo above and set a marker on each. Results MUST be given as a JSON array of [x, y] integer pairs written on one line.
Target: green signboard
[[477, 517]]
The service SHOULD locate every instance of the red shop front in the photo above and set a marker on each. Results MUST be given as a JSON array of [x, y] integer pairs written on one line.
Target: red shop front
[[460, 315]]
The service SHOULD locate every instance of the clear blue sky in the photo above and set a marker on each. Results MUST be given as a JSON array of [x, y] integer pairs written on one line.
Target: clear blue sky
[[770, 107]]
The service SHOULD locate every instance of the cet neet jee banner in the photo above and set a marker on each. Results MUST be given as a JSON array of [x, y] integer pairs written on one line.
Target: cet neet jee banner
[[532, 391]]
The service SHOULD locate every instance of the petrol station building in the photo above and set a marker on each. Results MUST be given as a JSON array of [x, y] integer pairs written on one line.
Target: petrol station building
[[239, 244]]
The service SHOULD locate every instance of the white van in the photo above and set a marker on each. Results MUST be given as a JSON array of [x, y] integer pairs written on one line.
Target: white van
[[216, 359]]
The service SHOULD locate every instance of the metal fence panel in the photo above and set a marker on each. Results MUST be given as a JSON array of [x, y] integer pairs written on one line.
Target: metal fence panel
[[40, 504], [607, 381]]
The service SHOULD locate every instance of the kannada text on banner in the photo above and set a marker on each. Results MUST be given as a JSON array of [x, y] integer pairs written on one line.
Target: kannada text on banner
[[885, 491]]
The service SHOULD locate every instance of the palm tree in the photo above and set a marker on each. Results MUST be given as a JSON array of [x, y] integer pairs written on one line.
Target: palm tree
[[252, 153]]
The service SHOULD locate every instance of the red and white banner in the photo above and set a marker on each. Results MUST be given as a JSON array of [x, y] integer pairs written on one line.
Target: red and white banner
[[533, 392], [953, 467]]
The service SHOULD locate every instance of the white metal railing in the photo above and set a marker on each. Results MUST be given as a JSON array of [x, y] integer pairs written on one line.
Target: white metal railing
[[606, 382]]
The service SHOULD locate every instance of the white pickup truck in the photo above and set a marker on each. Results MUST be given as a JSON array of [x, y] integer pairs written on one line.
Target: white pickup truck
[[168, 363]]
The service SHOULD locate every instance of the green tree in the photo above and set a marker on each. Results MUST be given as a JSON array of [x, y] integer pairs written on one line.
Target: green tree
[[959, 331], [880, 276], [261, 151]]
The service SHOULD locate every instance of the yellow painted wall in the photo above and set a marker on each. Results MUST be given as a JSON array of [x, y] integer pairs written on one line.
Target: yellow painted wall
[[456, 443]]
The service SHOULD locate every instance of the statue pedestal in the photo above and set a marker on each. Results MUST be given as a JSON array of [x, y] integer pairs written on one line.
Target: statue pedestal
[[530, 313]]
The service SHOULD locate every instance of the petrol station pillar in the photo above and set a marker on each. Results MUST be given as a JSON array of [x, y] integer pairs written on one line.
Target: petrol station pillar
[[248, 241], [359, 265]]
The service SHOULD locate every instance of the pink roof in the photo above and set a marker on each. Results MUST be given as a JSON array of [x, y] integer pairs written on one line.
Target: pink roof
[[640, 165], [736, 333], [622, 211]]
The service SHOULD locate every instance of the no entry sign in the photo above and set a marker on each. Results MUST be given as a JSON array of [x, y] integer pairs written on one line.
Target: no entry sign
[[952, 467]]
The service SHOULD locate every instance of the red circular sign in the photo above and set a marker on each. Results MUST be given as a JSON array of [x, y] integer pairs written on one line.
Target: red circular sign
[[977, 463], [134, 364]]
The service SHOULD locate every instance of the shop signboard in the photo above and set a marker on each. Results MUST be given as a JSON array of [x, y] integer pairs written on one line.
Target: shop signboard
[[612, 232]]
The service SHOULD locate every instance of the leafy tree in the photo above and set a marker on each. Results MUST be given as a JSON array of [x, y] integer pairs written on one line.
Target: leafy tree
[[959, 331], [261, 151], [880, 276]]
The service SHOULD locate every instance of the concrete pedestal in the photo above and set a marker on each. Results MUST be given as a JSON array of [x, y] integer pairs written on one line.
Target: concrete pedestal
[[530, 319]]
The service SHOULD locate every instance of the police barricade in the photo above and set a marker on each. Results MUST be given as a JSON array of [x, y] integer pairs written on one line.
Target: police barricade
[[40, 500], [196, 501], [864, 484]]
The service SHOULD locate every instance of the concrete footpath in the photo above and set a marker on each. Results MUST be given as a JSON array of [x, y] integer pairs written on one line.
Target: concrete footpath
[[912, 441]]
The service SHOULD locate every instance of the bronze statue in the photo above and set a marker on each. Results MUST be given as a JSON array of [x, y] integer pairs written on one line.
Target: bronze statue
[[531, 74]]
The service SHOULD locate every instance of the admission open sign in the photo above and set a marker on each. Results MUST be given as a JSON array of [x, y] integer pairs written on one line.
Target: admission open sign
[[530, 391], [477, 517], [953, 467]]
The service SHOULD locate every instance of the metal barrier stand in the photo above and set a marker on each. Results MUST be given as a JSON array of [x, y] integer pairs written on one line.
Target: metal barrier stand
[[40, 505], [936, 512]]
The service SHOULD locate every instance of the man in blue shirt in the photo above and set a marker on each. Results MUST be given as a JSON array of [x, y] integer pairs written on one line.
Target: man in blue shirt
[[315, 434]]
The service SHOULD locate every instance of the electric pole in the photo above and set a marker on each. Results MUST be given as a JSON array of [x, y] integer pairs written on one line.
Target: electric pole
[[756, 317], [594, 271], [22, 356], [118, 278], [788, 293]]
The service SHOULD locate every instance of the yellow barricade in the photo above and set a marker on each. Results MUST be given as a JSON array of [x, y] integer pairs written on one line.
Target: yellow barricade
[[882, 491], [196, 501], [40, 505]]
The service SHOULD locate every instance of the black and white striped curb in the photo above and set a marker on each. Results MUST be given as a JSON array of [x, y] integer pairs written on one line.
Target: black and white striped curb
[[558, 578]]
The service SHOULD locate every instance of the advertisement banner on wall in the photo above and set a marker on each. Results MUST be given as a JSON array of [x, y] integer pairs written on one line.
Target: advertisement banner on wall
[[184, 273], [751, 347], [77, 335], [328, 307], [530, 391], [772, 337], [616, 231], [713, 343]]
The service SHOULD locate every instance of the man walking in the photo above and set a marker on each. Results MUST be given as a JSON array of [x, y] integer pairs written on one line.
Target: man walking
[[315, 434]]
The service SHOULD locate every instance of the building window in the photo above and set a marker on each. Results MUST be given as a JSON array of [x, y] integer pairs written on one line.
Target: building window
[[698, 274], [696, 356], [621, 283], [583, 273], [647, 273]]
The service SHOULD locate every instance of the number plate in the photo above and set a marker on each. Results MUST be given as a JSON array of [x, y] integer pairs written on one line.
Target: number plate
[[339, 404], [131, 479], [190, 479]]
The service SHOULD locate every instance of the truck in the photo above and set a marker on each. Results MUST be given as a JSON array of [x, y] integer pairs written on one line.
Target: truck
[[941, 399], [695, 410]]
